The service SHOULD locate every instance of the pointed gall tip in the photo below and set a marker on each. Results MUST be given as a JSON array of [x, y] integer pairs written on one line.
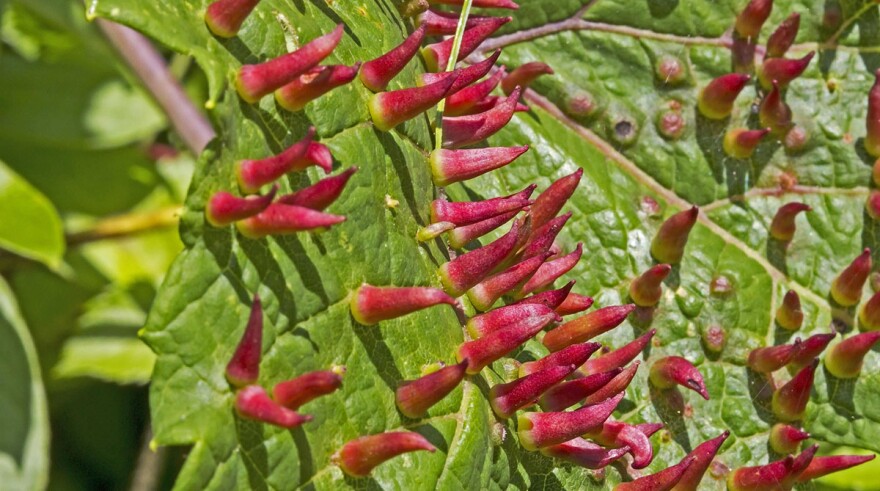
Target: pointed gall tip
[[822, 466], [537, 430], [790, 401], [774, 113], [524, 75], [717, 98], [587, 326], [783, 70], [789, 315], [752, 17], [676, 370], [805, 351], [845, 359], [785, 439], [360, 456], [740, 143], [492, 346], [462, 131], [322, 194], [313, 84], [255, 81], [772, 358], [846, 289], [506, 399], [415, 397], [669, 243], [297, 391], [244, 366], [253, 403], [782, 227], [646, 290], [372, 304], [619, 357], [281, 219], [783, 37], [225, 208], [465, 271], [376, 73], [389, 109], [665, 479]]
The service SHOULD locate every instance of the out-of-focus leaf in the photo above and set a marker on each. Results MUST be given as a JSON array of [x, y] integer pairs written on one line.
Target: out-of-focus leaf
[[29, 224], [24, 434]]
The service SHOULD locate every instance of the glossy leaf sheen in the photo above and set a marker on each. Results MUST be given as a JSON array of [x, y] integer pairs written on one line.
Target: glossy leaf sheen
[[304, 279]]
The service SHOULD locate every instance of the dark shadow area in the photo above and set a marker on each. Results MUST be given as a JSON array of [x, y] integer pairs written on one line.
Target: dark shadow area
[[304, 452], [398, 160], [376, 348], [254, 456], [670, 407], [662, 8], [869, 36], [843, 319], [305, 267], [710, 134], [432, 435], [777, 254], [641, 319], [840, 390], [761, 392], [782, 335]]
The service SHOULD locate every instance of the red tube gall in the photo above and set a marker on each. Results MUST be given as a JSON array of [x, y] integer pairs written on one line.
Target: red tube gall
[[253, 174], [669, 243], [297, 391], [314, 83], [492, 346], [462, 131], [225, 17], [372, 304], [437, 55], [462, 273], [538, 430], [524, 75], [281, 219], [505, 399], [322, 194], [253, 403], [782, 227], [254, 81], [567, 394], [415, 397], [790, 401], [619, 357], [389, 109], [587, 326], [376, 73], [846, 289], [844, 360], [244, 367], [646, 290], [717, 98], [450, 166], [225, 208], [675, 370], [361, 455]]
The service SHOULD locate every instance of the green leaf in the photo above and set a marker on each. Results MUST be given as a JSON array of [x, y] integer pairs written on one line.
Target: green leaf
[[609, 56], [24, 438], [29, 224]]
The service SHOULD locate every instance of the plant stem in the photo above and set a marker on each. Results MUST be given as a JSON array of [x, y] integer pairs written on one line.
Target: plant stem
[[126, 225], [150, 67], [450, 65]]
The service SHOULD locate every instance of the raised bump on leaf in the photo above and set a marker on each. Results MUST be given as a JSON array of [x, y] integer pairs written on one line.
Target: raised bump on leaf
[[703, 455], [774, 113], [750, 20], [371, 304]]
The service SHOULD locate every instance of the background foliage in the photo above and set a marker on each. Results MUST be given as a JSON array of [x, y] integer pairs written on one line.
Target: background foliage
[[98, 147]]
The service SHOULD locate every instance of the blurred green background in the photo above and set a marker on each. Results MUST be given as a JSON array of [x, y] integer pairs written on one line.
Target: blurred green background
[[91, 181]]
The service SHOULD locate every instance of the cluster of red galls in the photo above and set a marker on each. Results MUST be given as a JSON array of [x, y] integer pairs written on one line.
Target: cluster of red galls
[[520, 263]]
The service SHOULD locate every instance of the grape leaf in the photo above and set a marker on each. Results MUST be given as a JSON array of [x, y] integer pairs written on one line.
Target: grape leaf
[[605, 51]]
